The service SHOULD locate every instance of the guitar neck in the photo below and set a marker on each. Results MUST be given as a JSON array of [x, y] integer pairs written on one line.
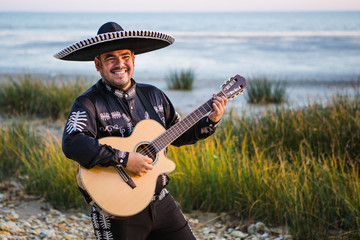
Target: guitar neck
[[178, 129]]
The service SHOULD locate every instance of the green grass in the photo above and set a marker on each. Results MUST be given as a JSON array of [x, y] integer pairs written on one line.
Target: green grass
[[50, 174], [261, 90], [181, 80], [38, 162], [295, 167], [38, 96], [12, 139], [289, 167], [314, 197]]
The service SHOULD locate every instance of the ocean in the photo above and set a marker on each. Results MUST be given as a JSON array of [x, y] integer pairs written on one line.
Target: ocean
[[319, 47]]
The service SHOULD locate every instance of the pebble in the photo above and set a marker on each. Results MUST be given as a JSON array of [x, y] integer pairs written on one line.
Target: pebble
[[49, 223], [239, 234]]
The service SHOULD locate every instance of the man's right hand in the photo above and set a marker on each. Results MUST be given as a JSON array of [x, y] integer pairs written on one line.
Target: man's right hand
[[139, 164]]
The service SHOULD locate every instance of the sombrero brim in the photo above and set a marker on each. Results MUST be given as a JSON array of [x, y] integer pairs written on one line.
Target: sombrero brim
[[138, 41]]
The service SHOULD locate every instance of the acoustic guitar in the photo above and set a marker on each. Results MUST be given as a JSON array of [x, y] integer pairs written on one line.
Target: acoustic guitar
[[121, 193]]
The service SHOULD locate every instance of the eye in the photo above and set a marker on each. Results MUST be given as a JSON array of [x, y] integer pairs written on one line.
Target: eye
[[111, 59]]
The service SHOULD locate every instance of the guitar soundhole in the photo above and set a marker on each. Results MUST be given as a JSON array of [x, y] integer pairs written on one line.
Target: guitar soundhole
[[148, 150]]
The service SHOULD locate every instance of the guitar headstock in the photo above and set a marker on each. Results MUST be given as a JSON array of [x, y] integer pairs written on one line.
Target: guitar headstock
[[234, 86]]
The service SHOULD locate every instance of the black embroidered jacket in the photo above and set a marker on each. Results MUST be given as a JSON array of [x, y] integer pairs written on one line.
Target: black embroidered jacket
[[103, 111]]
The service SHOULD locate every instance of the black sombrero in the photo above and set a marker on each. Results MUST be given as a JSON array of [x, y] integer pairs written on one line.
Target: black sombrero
[[111, 37]]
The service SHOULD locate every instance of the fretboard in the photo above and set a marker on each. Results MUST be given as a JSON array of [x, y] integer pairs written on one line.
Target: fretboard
[[178, 129]]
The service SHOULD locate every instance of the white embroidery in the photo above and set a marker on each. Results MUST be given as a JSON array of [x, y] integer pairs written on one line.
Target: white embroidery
[[110, 128], [130, 127], [102, 226], [119, 94], [122, 154], [128, 123], [95, 219], [105, 222], [98, 235], [122, 131], [108, 235], [104, 116], [116, 115], [160, 108], [164, 179], [127, 119], [75, 122], [146, 115]]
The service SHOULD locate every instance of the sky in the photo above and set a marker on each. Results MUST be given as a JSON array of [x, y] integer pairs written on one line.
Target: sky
[[177, 6]]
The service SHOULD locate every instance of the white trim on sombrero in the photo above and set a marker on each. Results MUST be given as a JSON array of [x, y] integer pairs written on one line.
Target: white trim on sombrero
[[111, 36]]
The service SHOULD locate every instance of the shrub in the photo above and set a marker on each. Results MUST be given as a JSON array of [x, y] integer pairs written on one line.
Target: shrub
[[263, 91], [181, 80]]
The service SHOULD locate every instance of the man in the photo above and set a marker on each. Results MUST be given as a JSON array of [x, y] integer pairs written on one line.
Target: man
[[112, 107]]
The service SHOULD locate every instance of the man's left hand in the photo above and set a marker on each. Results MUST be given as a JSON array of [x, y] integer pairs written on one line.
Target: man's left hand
[[219, 105]]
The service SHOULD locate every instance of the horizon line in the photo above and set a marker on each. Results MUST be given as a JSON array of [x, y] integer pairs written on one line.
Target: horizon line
[[172, 11]]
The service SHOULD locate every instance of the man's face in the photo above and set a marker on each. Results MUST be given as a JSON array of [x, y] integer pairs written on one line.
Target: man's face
[[116, 68]]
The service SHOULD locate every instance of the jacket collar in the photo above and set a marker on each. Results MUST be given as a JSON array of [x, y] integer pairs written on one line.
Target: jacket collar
[[128, 94]]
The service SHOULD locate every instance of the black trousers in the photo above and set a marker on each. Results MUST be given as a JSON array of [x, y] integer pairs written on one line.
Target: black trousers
[[162, 219]]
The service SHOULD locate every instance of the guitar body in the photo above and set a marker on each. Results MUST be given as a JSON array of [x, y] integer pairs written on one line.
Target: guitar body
[[109, 191]]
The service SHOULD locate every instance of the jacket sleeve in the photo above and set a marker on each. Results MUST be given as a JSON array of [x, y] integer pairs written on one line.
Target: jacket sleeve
[[80, 141], [201, 130]]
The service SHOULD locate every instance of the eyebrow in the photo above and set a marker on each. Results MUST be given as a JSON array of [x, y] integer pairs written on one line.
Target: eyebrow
[[112, 55]]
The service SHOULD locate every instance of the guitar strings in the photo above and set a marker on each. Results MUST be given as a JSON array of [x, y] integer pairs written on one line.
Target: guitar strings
[[146, 150], [152, 147]]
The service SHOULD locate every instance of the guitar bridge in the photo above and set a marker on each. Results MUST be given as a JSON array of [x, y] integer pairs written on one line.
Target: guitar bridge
[[125, 176]]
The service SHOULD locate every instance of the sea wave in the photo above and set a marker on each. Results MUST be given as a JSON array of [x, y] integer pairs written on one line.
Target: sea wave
[[296, 34]]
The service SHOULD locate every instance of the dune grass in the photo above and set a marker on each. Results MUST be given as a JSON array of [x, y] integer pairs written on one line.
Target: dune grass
[[39, 96], [294, 167], [261, 90], [14, 139], [181, 80], [37, 161]]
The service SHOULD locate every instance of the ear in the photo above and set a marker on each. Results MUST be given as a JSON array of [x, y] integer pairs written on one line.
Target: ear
[[97, 64]]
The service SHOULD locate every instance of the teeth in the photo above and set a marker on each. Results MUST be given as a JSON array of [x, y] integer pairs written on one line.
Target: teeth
[[119, 73]]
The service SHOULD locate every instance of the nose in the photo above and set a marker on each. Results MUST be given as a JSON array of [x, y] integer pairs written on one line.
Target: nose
[[120, 62]]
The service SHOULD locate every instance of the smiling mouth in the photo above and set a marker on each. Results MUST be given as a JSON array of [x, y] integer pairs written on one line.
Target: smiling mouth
[[119, 72]]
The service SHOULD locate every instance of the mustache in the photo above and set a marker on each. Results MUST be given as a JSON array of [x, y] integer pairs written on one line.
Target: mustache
[[119, 69]]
